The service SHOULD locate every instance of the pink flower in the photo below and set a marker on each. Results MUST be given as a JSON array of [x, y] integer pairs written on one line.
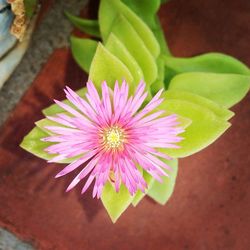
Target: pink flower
[[113, 137]]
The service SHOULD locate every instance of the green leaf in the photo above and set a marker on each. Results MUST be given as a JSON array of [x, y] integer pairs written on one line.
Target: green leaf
[[160, 66], [107, 67], [115, 46], [160, 36], [145, 9], [41, 124], [46, 122], [33, 144], [161, 192], [115, 203], [224, 89], [109, 10], [135, 45], [140, 195], [90, 27], [156, 86], [32, 141], [221, 112], [159, 83], [30, 7], [184, 122], [55, 109], [205, 128], [83, 51], [210, 62]]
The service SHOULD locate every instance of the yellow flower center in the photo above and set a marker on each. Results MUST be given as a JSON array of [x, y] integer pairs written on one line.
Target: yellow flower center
[[113, 137]]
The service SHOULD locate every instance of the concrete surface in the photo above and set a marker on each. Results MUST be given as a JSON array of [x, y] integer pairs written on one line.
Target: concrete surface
[[9, 242], [53, 32]]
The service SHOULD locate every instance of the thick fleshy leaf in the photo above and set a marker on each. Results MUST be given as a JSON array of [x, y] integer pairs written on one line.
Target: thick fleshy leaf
[[115, 203], [184, 123], [107, 67], [210, 62], [109, 10], [140, 195], [156, 86], [160, 36], [159, 82], [162, 191], [83, 51], [90, 27], [224, 89], [146, 9], [45, 122], [135, 45], [160, 66], [41, 124], [33, 144], [115, 46], [205, 128], [55, 109], [30, 6], [221, 112]]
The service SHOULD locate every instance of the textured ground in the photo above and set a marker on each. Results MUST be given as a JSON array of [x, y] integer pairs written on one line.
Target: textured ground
[[211, 202], [52, 32]]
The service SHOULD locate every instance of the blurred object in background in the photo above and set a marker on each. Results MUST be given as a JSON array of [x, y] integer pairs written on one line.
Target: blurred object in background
[[17, 19]]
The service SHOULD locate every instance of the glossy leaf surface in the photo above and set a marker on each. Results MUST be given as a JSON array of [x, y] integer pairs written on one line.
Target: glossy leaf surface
[[83, 51], [146, 9], [224, 89], [210, 62], [33, 144], [136, 47], [162, 191], [109, 10], [218, 110], [55, 109], [90, 27], [115, 203], [205, 128], [107, 67], [140, 195], [115, 46]]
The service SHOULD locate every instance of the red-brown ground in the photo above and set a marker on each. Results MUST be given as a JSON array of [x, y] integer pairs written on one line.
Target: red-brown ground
[[211, 203]]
